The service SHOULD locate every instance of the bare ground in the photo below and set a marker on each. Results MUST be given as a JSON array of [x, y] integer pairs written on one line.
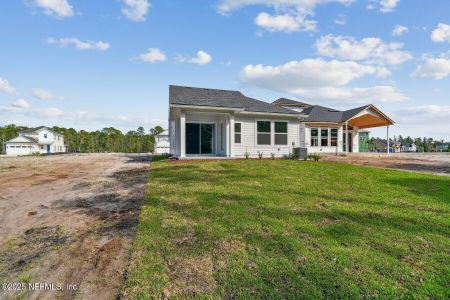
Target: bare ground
[[69, 220], [437, 163]]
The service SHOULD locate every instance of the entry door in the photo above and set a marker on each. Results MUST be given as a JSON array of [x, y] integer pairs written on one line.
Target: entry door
[[199, 138], [345, 142], [48, 148]]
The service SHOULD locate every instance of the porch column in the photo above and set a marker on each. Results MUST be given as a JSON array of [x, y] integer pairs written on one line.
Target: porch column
[[387, 133], [182, 134], [231, 146], [227, 136], [346, 138]]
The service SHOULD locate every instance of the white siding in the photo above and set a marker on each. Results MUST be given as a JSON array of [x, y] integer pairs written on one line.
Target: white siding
[[248, 138]]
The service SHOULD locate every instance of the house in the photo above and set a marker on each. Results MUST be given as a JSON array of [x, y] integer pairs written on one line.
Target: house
[[409, 148], [41, 140], [442, 147], [396, 146], [211, 122], [162, 145]]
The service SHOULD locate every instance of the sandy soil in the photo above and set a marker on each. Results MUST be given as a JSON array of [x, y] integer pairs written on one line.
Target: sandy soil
[[437, 163], [69, 220]]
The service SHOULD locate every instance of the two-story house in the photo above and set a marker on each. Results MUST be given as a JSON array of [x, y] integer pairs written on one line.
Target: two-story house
[[41, 140]]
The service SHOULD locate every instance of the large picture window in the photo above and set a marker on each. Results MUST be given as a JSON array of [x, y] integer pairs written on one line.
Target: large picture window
[[237, 133], [324, 137], [334, 136], [281, 133], [314, 137], [263, 132]]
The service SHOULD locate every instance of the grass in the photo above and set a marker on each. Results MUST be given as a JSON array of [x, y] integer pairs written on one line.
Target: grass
[[290, 229]]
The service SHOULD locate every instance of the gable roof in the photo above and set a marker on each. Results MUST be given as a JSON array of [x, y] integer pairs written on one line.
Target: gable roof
[[23, 139], [33, 130], [181, 95]]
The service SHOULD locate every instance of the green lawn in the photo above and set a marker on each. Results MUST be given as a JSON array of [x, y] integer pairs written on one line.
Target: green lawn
[[291, 229]]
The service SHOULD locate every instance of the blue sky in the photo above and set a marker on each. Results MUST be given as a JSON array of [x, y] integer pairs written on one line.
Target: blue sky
[[92, 64]]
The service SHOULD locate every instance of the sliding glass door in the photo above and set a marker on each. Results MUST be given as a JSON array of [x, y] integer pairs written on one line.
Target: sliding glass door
[[200, 138]]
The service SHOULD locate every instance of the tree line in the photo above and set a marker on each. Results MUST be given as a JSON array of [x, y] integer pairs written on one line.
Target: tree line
[[108, 139], [424, 144]]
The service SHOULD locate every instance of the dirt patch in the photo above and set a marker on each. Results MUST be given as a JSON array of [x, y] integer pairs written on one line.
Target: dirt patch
[[437, 163], [70, 220], [26, 249], [190, 277]]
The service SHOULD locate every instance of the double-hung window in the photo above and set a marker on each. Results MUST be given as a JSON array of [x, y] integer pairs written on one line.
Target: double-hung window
[[281, 133], [334, 137], [263, 132], [314, 137], [324, 137], [237, 133]]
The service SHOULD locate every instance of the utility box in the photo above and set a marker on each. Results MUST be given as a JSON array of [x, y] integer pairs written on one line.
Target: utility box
[[300, 152]]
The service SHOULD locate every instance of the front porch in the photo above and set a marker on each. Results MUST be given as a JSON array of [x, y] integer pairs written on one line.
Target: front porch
[[202, 134]]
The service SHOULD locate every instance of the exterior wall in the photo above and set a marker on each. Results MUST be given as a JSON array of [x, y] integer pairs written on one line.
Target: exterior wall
[[56, 141], [219, 120], [15, 149], [162, 144], [323, 149], [249, 135]]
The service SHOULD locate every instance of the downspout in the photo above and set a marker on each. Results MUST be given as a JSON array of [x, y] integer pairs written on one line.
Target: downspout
[[346, 137], [387, 133]]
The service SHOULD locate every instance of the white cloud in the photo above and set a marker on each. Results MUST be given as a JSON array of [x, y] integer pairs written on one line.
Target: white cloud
[[80, 45], [441, 33], [153, 55], [136, 10], [383, 5], [369, 50], [6, 87], [319, 79], [340, 19], [54, 8], [295, 76], [202, 58], [21, 104], [289, 16], [429, 110], [43, 94], [284, 23], [399, 30], [52, 112], [343, 95], [433, 67]]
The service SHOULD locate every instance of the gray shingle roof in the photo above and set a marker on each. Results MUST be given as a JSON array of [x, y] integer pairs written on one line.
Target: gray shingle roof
[[289, 102], [32, 130], [182, 95], [29, 139]]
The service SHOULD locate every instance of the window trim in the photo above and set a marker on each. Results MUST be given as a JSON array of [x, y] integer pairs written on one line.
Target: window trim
[[269, 133], [322, 138], [336, 138], [240, 133], [275, 133], [316, 137]]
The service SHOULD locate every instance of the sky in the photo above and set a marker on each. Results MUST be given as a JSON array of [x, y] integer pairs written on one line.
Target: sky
[[93, 64]]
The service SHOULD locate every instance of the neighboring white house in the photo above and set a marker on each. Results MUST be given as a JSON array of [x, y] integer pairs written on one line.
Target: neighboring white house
[[162, 144], [409, 148], [210, 122], [40, 139]]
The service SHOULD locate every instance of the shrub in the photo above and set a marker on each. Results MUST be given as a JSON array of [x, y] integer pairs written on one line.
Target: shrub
[[286, 156], [314, 156], [260, 154], [247, 155], [272, 155]]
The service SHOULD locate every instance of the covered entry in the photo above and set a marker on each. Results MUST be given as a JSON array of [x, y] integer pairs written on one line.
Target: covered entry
[[200, 138]]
